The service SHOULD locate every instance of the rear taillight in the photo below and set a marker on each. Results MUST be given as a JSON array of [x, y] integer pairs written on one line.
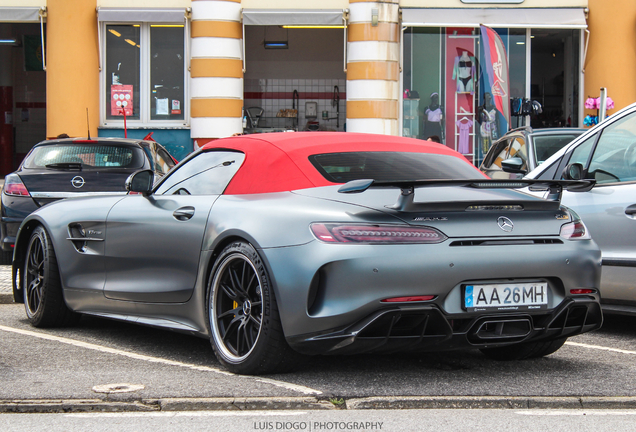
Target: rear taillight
[[13, 186], [576, 229], [360, 233]]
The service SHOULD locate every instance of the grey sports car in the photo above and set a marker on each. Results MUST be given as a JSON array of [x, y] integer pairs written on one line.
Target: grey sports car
[[278, 245]]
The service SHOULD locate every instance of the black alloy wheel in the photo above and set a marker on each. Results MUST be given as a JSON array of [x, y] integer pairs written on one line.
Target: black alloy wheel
[[43, 298], [238, 306], [247, 335]]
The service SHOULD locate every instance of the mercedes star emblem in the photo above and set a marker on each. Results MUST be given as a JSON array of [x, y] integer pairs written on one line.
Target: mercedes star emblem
[[77, 182], [505, 224]]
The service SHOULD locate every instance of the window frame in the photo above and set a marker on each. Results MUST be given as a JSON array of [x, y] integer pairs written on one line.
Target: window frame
[[145, 93], [164, 186]]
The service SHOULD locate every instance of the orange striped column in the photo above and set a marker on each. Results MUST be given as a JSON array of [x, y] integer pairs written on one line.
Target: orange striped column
[[216, 70], [373, 72]]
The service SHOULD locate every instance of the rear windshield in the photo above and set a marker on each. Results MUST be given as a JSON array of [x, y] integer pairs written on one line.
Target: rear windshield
[[344, 167], [89, 155]]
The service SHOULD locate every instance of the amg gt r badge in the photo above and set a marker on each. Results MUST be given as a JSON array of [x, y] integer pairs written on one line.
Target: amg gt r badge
[[430, 219], [505, 224], [77, 182]]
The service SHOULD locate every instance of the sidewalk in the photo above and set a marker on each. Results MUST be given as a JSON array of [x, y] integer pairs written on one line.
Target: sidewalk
[[6, 290]]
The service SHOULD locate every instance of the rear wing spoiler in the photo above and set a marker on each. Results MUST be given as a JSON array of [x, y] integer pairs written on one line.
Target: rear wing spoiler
[[405, 201]]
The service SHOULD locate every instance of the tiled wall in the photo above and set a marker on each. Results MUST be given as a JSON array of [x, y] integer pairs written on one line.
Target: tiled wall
[[275, 94]]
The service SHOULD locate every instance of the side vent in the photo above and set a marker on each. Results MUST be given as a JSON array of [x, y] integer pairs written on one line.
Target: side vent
[[77, 235], [80, 235]]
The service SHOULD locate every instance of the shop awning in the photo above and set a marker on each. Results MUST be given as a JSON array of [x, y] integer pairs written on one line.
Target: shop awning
[[20, 14], [292, 17], [153, 15], [562, 18]]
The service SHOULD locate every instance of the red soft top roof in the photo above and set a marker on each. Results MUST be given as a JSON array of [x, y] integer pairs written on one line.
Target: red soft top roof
[[277, 162]]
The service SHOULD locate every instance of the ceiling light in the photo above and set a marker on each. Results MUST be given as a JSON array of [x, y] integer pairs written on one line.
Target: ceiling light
[[276, 45], [116, 33], [133, 43], [9, 41]]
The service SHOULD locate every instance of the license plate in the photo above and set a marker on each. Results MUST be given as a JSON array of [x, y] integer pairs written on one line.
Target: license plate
[[515, 296]]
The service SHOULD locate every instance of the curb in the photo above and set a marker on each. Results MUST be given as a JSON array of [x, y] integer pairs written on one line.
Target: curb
[[304, 403], [6, 298]]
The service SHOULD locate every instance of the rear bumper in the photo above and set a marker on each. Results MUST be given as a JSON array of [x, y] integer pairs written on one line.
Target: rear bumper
[[427, 328], [8, 231], [13, 210]]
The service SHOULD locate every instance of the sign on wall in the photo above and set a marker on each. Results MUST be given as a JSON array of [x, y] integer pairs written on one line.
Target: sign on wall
[[121, 98]]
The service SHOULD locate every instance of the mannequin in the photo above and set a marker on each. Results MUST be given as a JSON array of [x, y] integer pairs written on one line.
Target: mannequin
[[463, 72], [488, 120], [434, 117]]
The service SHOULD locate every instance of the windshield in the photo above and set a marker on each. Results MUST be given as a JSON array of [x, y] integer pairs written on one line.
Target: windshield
[[344, 167], [547, 145], [88, 155]]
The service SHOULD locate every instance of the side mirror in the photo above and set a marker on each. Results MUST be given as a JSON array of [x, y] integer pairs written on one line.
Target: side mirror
[[513, 165], [573, 171], [140, 182]]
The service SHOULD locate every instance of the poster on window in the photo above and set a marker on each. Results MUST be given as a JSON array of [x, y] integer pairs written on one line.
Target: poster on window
[[121, 98]]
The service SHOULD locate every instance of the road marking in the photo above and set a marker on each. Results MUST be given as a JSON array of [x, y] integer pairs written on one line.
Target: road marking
[[191, 414], [286, 385], [598, 347]]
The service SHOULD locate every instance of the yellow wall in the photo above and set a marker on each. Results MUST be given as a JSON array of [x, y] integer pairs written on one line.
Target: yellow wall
[[72, 68], [611, 56], [485, 4]]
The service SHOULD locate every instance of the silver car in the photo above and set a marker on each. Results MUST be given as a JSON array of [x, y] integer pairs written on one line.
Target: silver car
[[277, 245], [607, 154]]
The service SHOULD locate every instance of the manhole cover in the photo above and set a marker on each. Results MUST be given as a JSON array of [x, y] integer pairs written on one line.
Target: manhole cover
[[117, 388]]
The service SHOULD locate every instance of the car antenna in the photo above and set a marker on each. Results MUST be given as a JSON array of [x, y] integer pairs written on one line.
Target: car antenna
[[88, 125]]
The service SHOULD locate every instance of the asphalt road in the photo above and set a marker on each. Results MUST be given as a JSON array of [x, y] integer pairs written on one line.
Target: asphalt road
[[49, 366]]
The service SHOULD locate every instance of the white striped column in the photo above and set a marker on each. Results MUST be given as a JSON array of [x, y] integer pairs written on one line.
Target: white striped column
[[373, 54], [216, 70]]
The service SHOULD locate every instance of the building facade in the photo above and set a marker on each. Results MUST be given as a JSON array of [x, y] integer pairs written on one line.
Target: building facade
[[190, 71]]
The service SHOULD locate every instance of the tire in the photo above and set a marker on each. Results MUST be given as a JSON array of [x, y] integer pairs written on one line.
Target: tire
[[524, 350], [43, 298], [246, 332]]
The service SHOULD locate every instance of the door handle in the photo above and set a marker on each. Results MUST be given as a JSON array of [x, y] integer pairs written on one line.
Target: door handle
[[631, 210], [183, 213]]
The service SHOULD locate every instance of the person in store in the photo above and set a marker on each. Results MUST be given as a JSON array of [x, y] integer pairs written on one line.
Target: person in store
[[434, 116], [434, 138]]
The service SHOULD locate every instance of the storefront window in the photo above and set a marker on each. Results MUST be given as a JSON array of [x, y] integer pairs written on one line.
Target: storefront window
[[144, 74], [450, 93], [123, 66], [166, 72], [555, 77]]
